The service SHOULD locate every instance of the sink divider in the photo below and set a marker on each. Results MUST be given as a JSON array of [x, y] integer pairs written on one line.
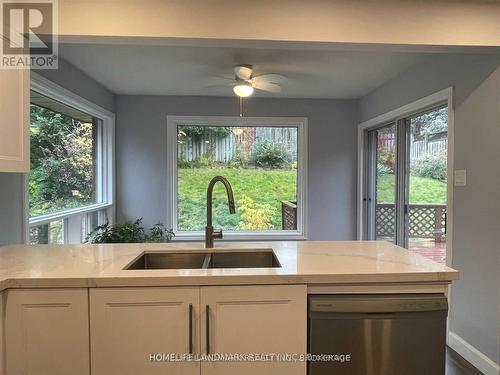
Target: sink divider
[[207, 260]]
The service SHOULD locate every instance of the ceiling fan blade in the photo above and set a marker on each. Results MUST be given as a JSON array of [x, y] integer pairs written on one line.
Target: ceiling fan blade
[[273, 78], [218, 82], [243, 72], [266, 86]]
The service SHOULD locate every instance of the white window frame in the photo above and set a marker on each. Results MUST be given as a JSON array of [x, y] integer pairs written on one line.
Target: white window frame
[[231, 121], [105, 158], [444, 97]]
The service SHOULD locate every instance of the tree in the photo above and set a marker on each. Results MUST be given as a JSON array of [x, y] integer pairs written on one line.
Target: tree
[[62, 161], [430, 123], [198, 132]]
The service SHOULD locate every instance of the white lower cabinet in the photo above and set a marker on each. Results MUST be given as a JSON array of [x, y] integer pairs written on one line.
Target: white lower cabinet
[[46, 332], [254, 320], [128, 325]]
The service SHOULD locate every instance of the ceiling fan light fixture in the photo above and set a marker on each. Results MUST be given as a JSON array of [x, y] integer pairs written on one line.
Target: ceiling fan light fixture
[[243, 90]]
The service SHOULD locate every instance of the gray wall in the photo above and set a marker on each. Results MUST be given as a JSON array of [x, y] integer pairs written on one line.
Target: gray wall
[[73, 79], [141, 155], [11, 186], [476, 208], [11, 208]]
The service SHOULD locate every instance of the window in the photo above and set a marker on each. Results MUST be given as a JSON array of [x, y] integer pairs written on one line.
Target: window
[[69, 184], [407, 192], [263, 159]]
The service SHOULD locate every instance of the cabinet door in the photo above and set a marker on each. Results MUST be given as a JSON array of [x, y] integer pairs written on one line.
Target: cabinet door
[[47, 332], [128, 325], [14, 120], [254, 320]]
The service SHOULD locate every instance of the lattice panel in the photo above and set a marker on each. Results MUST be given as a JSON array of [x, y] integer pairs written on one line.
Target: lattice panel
[[428, 222], [385, 218], [289, 215]]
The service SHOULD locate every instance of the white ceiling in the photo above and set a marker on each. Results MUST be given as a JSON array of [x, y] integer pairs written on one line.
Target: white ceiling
[[186, 70]]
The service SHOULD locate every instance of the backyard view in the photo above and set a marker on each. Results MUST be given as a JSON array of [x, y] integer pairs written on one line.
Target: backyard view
[[259, 162], [62, 172], [427, 183]]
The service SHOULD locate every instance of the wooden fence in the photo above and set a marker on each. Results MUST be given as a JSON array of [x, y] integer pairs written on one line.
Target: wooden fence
[[422, 148], [418, 149], [223, 149]]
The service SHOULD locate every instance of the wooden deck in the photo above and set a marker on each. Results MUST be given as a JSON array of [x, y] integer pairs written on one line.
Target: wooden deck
[[429, 249]]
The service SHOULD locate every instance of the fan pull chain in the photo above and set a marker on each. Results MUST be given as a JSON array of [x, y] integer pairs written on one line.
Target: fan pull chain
[[241, 106]]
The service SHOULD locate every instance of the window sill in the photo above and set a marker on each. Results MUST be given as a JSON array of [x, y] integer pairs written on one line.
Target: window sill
[[47, 218], [244, 236]]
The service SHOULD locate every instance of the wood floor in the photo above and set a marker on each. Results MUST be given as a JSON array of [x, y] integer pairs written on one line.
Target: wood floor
[[456, 365]]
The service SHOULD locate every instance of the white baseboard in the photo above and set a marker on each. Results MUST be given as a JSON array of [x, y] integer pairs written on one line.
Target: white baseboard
[[483, 363]]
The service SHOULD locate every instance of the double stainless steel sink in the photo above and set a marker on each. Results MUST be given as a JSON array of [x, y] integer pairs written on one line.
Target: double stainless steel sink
[[199, 260]]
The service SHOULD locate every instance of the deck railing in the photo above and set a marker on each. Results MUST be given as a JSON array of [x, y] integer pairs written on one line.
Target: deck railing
[[426, 220], [289, 215]]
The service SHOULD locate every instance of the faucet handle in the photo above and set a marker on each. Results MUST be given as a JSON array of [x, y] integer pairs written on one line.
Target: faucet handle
[[217, 234]]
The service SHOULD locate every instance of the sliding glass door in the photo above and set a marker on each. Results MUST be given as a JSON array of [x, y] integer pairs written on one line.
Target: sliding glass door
[[427, 184], [407, 182], [382, 202]]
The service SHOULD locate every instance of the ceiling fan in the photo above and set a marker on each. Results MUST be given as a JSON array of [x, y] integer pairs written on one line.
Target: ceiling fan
[[245, 82]]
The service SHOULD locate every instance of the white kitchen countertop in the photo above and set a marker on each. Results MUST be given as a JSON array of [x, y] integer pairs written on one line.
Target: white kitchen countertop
[[303, 262]]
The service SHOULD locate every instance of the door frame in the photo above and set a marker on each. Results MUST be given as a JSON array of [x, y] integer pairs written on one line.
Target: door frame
[[444, 97]]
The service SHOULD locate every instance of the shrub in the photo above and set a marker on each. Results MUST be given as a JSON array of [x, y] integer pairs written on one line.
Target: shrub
[[183, 163], [430, 166], [129, 232], [271, 155], [240, 158], [386, 161], [256, 216], [204, 161]]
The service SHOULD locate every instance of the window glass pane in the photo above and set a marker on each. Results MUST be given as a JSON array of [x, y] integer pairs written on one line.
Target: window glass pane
[[51, 233], [428, 143], [89, 222], [259, 162], [385, 164], [63, 157]]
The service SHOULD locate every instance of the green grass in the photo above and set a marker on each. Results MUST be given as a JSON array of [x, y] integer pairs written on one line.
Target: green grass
[[422, 190], [262, 186], [269, 187]]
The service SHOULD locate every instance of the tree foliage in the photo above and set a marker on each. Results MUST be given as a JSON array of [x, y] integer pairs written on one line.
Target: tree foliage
[[197, 131], [430, 123], [62, 165]]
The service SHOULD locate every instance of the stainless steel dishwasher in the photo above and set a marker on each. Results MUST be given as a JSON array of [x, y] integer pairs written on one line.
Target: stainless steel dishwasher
[[395, 334]]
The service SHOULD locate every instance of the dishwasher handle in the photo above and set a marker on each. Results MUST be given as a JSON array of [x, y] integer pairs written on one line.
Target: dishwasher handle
[[377, 303]]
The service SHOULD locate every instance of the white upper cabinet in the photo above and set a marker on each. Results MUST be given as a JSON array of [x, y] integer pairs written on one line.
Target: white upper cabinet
[[14, 120], [254, 320]]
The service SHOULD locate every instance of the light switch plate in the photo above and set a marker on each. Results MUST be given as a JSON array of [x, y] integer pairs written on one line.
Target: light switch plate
[[460, 177]]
